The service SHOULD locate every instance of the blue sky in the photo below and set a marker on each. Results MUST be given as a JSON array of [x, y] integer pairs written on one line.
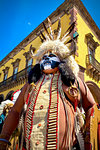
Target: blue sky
[[18, 18]]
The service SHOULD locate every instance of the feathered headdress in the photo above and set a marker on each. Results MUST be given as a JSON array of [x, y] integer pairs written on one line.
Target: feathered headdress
[[53, 42]]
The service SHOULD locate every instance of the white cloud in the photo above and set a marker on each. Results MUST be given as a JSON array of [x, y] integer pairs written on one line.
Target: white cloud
[[29, 23]]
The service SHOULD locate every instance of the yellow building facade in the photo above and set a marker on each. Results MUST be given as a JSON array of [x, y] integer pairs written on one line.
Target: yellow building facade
[[15, 66]]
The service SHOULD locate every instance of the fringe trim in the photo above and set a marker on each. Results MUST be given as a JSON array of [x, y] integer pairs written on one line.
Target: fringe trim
[[52, 119], [30, 112]]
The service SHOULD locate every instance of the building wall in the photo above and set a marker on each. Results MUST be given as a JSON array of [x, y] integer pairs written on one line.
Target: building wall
[[83, 29]]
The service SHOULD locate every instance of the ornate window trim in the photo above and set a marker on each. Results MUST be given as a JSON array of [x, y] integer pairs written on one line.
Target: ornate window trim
[[5, 71], [92, 45], [28, 54], [15, 65], [92, 65]]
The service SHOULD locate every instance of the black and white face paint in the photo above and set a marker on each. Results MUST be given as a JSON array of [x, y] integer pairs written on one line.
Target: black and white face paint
[[49, 61]]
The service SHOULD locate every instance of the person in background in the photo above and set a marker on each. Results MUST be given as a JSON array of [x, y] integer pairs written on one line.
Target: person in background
[[4, 114]]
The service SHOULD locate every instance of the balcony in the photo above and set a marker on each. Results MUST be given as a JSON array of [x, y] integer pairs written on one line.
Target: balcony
[[15, 79], [93, 67]]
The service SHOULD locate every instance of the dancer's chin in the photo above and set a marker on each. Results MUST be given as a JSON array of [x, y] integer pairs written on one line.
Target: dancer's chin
[[48, 71]]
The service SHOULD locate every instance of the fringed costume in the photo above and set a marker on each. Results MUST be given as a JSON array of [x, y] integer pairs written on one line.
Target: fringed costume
[[44, 124]]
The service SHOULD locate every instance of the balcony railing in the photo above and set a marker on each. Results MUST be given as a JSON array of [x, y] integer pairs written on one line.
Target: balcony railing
[[16, 77], [93, 65]]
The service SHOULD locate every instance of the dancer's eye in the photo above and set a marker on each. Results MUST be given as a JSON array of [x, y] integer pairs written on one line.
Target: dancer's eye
[[44, 57], [52, 55]]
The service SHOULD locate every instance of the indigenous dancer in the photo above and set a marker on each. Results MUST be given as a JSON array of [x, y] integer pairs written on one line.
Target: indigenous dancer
[[53, 119]]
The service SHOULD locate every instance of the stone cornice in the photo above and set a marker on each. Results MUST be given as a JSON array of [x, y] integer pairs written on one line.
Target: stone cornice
[[60, 11]]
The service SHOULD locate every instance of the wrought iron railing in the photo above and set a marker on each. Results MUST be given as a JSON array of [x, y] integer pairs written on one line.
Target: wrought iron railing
[[16, 77], [92, 63]]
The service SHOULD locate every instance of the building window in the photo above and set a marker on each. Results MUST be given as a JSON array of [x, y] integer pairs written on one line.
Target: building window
[[29, 60], [92, 65], [15, 73], [15, 68], [5, 76], [91, 55], [5, 71], [91, 52], [92, 45], [29, 65]]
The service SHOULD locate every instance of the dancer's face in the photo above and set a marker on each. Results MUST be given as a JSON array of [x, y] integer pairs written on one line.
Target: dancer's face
[[49, 63]]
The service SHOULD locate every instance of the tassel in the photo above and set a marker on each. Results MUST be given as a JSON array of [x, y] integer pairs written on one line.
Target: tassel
[[75, 104], [78, 133]]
